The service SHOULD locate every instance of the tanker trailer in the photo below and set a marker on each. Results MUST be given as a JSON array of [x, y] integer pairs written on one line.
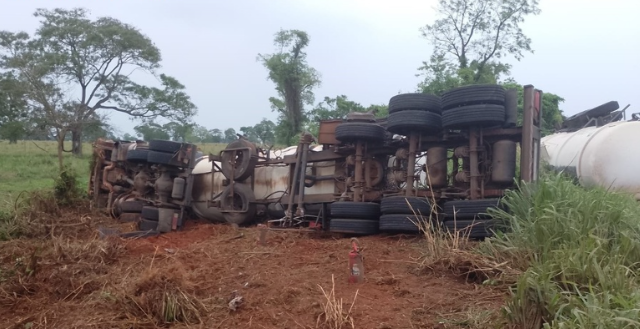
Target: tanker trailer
[[364, 175], [597, 155]]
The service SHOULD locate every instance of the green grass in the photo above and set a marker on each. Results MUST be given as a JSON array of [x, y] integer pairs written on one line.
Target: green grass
[[33, 165], [29, 166], [579, 251]]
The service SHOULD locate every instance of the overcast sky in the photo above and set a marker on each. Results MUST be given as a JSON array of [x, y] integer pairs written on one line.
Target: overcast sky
[[585, 51]]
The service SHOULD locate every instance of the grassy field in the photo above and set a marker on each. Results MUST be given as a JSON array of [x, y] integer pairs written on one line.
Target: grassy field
[[33, 165]]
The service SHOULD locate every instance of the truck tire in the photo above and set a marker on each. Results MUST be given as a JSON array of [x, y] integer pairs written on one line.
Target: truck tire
[[245, 161], [359, 131], [481, 115], [407, 121], [414, 101], [400, 223], [398, 205], [150, 213], [165, 146], [243, 198], [137, 155], [353, 226], [472, 95], [469, 209], [473, 229], [355, 210]]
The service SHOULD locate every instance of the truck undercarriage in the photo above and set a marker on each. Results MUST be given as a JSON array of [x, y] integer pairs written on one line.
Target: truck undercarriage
[[443, 160]]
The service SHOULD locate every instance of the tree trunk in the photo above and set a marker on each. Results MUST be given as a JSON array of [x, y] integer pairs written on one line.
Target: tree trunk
[[61, 150], [76, 142]]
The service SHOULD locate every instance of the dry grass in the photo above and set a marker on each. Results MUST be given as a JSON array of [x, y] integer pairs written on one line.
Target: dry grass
[[164, 296], [333, 315]]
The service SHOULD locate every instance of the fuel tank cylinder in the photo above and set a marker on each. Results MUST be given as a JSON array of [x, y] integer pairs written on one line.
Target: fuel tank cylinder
[[270, 182], [603, 156]]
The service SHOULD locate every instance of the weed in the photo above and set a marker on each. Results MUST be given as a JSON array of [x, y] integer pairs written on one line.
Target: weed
[[333, 315]]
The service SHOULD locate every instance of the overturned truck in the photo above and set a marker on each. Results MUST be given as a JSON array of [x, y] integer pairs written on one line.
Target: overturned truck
[[440, 159]]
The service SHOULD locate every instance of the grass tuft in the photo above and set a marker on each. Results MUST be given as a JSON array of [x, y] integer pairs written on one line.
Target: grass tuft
[[579, 250], [333, 314]]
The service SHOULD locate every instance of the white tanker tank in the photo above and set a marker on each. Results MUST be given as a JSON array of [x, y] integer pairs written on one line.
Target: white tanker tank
[[598, 156], [269, 182]]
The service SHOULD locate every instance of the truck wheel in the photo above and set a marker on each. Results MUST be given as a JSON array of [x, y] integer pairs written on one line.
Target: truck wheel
[[354, 131], [355, 210], [481, 115], [473, 94], [474, 229], [242, 198], [407, 121], [245, 160], [414, 101], [165, 146], [398, 205], [353, 226], [469, 209], [400, 223], [137, 155]]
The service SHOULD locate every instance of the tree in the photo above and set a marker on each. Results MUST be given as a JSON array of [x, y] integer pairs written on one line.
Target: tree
[[151, 130], [262, 132], [471, 38], [294, 80], [216, 135], [13, 110], [551, 114], [230, 135], [93, 58]]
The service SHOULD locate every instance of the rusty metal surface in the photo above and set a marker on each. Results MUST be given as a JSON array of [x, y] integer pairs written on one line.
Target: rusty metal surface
[[327, 132], [503, 162], [436, 167]]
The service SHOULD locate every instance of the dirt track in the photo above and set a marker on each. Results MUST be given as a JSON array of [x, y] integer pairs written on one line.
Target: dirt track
[[96, 283]]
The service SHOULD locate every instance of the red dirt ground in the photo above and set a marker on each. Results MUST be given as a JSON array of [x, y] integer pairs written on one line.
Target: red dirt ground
[[89, 282]]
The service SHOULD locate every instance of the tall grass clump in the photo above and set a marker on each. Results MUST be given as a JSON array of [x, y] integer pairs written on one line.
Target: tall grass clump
[[579, 250]]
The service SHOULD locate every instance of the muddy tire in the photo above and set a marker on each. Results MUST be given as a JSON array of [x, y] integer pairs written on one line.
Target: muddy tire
[[150, 213], [469, 209], [472, 95], [245, 161], [137, 155], [355, 210], [400, 223], [414, 101], [482, 115], [131, 206], [359, 131], [408, 121], [398, 205], [147, 225], [166, 159], [473, 229], [165, 146], [353, 226], [242, 199]]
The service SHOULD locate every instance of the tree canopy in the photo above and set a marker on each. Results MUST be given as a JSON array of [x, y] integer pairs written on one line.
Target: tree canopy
[[73, 67], [294, 80]]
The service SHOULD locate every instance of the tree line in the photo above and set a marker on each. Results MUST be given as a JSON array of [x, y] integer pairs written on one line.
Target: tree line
[[61, 82]]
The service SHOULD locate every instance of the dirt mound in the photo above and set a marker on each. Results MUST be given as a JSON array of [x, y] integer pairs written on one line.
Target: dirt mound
[[215, 276]]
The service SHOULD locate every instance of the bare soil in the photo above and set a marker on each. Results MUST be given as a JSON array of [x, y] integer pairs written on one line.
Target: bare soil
[[72, 278]]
